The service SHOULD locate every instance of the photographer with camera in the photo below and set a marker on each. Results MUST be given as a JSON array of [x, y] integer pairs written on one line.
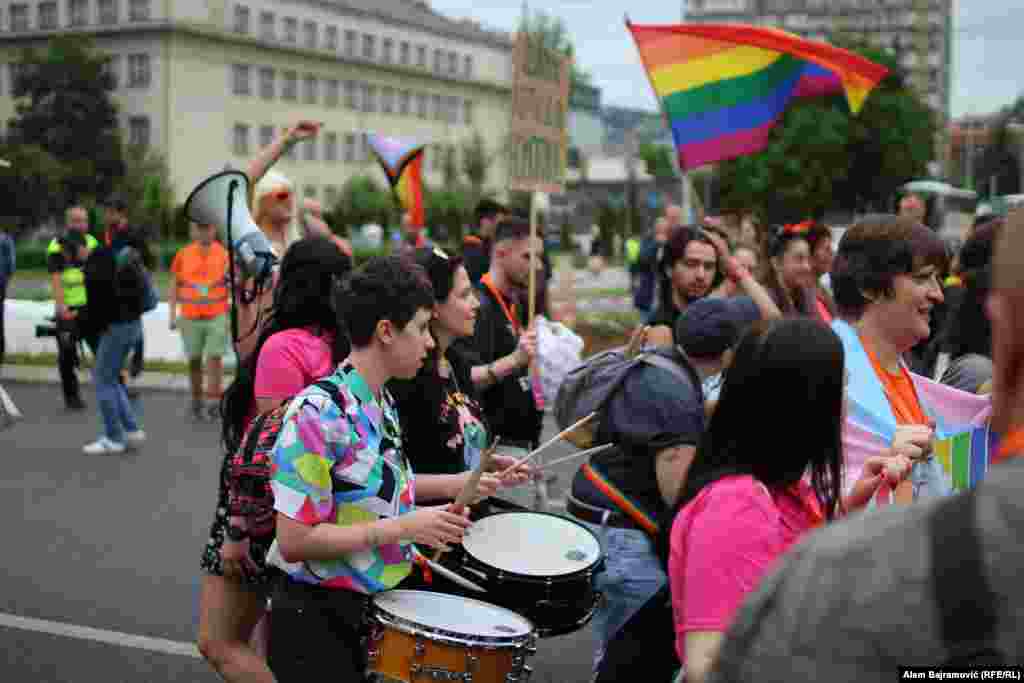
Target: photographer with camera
[[65, 256]]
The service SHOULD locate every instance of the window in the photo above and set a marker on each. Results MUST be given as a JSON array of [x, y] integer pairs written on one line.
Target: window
[[350, 43], [113, 70], [138, 71], [467, 112], [331, 38], [309, 33], [78, 12], [387, 100], [369, 46], [266, 136], [333, 89], [369, 98], [15, 69], [467, 66], [452, 115], [453, 63], [438, 60], [138, 131], [48, 15], [387, 51], [267, 25], [108, 12], [436, 108], [404, 102], [240, 79], [421, 56], [310, 149], [19, 17], [267, 83], [138, 10], [404, 53], [331, 147], [240, 143], [311, 89], [241, 19], [421, 105], [351, 97], [290, 85], [291, 30], [350, 148]]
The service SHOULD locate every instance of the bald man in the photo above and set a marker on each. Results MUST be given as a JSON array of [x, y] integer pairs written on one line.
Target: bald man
[[934, 584]]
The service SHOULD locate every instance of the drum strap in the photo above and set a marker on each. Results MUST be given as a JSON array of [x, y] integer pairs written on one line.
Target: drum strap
[[420, 561], [631, 509]]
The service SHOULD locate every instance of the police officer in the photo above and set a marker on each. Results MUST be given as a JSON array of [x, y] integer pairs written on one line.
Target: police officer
[[65, 256]]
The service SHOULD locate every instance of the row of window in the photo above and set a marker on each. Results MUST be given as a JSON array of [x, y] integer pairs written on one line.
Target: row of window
[[77, 13], [138, 76], [353, 44], [349, 148], [354, 95]]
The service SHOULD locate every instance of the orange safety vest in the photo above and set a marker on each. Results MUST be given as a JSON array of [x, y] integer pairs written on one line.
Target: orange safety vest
[[201, 275]]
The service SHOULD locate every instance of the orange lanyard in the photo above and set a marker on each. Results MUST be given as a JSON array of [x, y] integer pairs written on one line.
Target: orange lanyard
[[509, 311], [1011, 446]]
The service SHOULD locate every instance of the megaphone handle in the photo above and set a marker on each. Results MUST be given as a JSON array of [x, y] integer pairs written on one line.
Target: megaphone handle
[[232, 186]]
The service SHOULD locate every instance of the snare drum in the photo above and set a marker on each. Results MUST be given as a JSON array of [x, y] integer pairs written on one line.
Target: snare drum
[[538, 564], [419, 636]]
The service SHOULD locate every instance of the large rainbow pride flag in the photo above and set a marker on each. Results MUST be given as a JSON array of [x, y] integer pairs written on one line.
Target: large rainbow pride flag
[[724, 86]]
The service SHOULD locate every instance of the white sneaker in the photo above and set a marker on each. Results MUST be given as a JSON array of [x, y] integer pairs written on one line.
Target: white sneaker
[[103, 446], [135, 439]]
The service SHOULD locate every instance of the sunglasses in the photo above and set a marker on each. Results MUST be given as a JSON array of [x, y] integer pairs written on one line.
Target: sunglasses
[[282, 195]]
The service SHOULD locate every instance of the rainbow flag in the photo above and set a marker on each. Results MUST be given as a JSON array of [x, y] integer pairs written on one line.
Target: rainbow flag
[[723, 87], [402, 162]]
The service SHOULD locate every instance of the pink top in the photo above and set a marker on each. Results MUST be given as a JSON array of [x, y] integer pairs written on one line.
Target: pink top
[[722, 543], [290, 361]]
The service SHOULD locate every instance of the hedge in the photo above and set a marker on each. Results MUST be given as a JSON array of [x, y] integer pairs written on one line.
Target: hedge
[[32, 255]]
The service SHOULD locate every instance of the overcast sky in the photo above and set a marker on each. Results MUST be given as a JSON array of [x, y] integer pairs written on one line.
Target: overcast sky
[[987, 72]]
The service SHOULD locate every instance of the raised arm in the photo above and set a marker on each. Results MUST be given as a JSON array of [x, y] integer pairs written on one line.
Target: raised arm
[[269, 155]]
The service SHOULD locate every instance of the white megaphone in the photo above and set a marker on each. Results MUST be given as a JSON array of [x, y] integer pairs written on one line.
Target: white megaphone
[[221, 200]]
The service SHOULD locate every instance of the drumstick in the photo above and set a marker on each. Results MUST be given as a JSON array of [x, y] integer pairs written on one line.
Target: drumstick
[[590, 451], [468, 492], [568, 430]]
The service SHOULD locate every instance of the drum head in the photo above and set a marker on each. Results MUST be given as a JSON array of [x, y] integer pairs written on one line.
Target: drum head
[[452, 614], [532, 544]]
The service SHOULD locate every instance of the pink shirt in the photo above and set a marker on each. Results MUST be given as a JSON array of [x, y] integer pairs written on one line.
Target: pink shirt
[[290, 361], [722, 543]]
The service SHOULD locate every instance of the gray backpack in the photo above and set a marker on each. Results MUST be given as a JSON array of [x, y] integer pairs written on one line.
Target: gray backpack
[[588, 387]]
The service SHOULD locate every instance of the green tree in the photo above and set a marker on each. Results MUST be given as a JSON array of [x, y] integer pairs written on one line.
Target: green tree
[[31, 187], [450, 166], [658, 159], [475, 163], [554, 35], [820, 156], [147, 189], [63, 106], [363, 201]]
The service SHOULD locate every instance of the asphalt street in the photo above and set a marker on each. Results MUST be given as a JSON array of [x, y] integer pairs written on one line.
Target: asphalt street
[[100, 564]]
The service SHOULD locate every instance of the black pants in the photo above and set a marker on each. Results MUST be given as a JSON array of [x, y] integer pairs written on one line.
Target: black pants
[[3, 299], [315, 630], [67, 355]]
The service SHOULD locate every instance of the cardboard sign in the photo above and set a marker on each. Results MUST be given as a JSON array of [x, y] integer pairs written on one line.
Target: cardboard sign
[[540, 118]]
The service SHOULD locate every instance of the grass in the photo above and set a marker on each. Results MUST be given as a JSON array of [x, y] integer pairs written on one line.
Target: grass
[[601, 293], [34, 285]]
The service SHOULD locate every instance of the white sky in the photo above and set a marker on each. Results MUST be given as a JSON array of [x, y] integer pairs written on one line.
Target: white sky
[[986, 74]]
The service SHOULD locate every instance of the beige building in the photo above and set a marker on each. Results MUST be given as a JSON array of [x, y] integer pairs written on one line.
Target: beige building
[[918, 31], [208, 82]]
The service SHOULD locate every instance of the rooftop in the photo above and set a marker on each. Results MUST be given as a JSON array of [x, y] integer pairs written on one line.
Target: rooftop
[[419, 13]]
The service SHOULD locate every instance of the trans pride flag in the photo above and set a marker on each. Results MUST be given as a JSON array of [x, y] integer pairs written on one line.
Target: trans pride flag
[[723, 87], [403, 165]]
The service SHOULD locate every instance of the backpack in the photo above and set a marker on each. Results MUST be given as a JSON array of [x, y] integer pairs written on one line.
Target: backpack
[[249, 469], [588, 387], [132, 279]]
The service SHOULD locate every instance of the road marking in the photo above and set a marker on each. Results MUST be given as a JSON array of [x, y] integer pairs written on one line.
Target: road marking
[[56, 628]]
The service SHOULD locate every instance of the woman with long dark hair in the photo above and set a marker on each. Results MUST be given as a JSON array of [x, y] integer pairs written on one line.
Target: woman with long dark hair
[[788, 274], [300, 342], [751, 491]]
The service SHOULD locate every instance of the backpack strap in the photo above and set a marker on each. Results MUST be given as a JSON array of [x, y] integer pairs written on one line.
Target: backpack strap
[[681, 367], [963, 596]]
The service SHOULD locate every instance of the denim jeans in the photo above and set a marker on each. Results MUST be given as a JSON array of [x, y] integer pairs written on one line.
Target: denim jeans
[[115, 344], [632, 574]]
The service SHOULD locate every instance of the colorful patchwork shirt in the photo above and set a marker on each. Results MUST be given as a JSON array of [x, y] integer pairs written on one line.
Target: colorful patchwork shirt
[[342, 463]]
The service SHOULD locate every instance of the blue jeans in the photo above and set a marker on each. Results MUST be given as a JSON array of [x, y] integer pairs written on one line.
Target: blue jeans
[[632, 574], [115, 345]]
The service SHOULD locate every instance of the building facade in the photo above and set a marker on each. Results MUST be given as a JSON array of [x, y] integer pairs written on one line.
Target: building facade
[[209, 82], [919, 32]]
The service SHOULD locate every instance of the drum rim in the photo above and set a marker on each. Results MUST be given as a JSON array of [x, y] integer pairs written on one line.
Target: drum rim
[[414, 628], [541, 578]]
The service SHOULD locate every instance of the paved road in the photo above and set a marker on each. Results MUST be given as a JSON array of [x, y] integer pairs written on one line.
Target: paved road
[[102, 550]]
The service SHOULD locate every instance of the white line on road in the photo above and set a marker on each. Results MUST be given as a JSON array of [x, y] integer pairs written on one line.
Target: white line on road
[[56, 628]]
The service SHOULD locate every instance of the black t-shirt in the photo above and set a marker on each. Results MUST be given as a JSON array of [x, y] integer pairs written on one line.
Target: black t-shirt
[[443, 424], [653, 410], [508, 405], [476, 256]]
